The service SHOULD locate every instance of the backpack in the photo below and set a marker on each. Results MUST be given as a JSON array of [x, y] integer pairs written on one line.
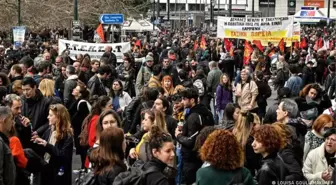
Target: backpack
[[87, 103], [136, 175], [200, 87], [206, 118], [84, 135]]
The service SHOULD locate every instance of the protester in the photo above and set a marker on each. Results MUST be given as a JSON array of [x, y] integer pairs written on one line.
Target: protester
[[268, 142], [319, 163], [247, 92], [108, 157], [225, 158], [57, 143]]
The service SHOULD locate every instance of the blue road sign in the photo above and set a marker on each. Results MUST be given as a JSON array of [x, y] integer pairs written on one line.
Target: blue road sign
[[111, 18]]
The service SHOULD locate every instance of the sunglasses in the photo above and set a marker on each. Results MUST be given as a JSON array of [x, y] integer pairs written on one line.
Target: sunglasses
[[53, 107]]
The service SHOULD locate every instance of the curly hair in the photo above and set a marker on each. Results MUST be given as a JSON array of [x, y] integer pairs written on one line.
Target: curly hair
[[284, 132], [222, 150], [269, 137], [304, 92], [202, 136]]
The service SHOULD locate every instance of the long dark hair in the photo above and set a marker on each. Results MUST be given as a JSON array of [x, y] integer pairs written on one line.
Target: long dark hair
[[110, 151], [112, 93], [99, 127], [98, 106]]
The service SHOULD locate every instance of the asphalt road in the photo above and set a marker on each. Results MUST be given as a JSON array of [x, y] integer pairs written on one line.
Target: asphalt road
[[76, 163]]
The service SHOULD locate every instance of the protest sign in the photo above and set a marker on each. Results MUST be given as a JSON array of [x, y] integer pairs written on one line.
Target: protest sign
[[19, 35], [95, 50], [255, 28], [296, 36]]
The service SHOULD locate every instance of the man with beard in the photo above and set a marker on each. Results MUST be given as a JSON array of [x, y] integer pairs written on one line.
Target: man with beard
[[144, 74], [169, 69]]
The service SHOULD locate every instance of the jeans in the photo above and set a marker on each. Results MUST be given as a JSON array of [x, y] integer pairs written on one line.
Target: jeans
[[179, 165], [220, 115]]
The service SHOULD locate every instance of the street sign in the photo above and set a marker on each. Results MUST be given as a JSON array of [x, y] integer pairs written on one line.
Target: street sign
[[111, 18]]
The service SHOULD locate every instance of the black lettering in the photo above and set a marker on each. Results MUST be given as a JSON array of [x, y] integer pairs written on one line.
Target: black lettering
[[118, 48]]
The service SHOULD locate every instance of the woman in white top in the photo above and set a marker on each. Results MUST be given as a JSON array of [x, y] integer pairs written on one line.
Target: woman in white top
[[120, 98]]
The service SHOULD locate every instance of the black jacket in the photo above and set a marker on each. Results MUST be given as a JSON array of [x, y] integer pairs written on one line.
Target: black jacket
[[171, 125], [130, 112], [7, 166], [108, 177], [159, 177], [190, 130], [272, 170], [36, 109], [96, 86], [308, 76], [293, 164], [266, 92], [78, 113], [69, 85], [60, 156]]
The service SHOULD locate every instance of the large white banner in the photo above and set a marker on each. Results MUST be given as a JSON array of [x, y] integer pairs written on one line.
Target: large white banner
[[255, 28], [95, 50]]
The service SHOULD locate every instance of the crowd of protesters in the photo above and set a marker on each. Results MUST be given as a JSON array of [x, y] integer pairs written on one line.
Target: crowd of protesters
[[190, 113]]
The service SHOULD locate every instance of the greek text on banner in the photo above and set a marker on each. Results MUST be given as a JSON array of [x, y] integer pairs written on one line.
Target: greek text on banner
[[95, 50], [251, 28]]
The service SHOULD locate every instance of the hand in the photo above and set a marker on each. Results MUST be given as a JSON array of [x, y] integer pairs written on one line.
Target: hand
[[34, 133], [133, 154], [326, 175], [40, 141], [177, 132], [25, 121], [119, 110], [238, 94], [249, 107]]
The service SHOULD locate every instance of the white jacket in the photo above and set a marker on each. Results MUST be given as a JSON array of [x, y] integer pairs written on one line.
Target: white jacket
[[124, 100], [314, 165]]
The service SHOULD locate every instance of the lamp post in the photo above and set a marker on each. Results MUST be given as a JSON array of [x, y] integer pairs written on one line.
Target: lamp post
[[76, 10], [328, 12], [19, 12], [252, 8], [230, 8]]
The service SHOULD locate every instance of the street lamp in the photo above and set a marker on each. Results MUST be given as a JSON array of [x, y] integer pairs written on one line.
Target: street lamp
[[19, 12], [76, 10]]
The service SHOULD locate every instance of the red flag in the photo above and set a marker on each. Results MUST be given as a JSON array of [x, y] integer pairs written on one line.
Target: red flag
[[296, 45], [231, 52], [320, 43], [259, 45], [227, 44], [281, 45], [137, 43], [203, 42], [247, 52], [303, 43], [195, 45], [100, 32], [271, 53]]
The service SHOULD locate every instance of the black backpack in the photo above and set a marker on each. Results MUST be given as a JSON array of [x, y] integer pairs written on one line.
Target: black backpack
[[135, 176]]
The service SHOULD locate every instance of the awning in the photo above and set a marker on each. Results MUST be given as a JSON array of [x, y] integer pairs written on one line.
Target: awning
[[138, 26]]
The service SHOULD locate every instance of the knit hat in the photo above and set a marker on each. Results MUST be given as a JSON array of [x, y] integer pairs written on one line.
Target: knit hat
[[149, 58]]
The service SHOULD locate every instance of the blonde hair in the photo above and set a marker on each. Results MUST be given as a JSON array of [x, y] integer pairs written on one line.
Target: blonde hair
[[47, 87], [244, 126]]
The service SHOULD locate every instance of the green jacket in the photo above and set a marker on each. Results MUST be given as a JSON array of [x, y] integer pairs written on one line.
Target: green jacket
[[211, 176], [213, 80]]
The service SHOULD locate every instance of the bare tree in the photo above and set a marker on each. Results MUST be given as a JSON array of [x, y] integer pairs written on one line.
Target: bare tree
[[37, 14]]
